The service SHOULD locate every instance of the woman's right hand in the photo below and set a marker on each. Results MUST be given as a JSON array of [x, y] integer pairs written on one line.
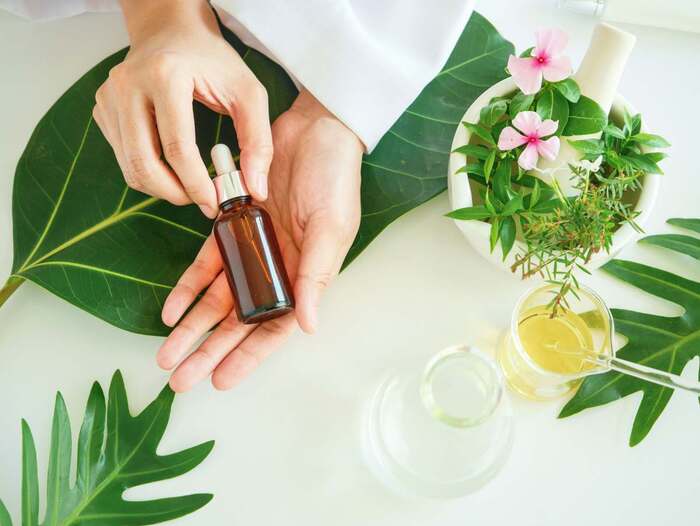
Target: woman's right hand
[[144, 108]]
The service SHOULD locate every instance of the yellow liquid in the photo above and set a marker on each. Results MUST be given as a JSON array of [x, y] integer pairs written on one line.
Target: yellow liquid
[[561, 344]]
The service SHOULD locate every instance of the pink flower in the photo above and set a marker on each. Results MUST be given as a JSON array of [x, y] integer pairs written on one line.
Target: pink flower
[[533, 130], [546, 61]]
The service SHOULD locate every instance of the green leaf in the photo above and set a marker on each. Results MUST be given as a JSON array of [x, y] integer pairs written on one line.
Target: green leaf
[[569, 88], [688, 224], [585, 117], [614, 131], [685, 244], [643, 162], [501, 180], [534, 195], [520, 102], [30, 479], [473, 150], [116, 451], [492, 113], [513, 206], [662, 342], [495, 233], [470, 213], [82, 234], [116, 253], [5, 519], [488, 203], [527, 53], [507, 235], [651, 140], [481, 132], [488, 165], [589, 146], [553, 105]]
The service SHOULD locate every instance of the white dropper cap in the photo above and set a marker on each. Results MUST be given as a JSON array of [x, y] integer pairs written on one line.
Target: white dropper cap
[[229, 182]]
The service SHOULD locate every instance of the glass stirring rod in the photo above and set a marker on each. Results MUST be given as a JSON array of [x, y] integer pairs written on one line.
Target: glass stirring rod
[[649, 374]]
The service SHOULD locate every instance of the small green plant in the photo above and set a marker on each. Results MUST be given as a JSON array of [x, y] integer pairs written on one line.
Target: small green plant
[[560, 233]]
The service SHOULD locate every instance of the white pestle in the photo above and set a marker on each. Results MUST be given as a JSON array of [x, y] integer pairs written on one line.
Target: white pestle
[[599, 78]]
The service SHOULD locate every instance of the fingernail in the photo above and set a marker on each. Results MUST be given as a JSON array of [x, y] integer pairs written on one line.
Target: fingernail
[[260, 183]]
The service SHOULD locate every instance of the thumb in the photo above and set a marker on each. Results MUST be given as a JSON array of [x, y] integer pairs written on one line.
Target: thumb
[[318, 265]]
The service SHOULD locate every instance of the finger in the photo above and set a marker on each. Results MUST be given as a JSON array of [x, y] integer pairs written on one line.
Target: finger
[[110, 131], [204, 270], [175, 120], [214, 306], [251, 118], [242, 360], [201, 363], [141, 150], [318, 264]]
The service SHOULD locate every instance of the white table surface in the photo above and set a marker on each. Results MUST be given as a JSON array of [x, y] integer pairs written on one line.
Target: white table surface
[[288, 439]]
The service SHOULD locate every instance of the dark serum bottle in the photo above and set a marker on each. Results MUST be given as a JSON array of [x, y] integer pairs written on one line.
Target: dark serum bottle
[[248, 246]]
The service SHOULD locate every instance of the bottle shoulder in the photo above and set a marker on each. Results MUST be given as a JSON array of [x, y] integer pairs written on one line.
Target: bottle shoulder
[[248, 210]]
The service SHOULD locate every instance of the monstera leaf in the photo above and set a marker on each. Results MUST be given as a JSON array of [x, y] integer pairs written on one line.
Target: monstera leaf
[[661, 342], [116, 451], [80, 233]]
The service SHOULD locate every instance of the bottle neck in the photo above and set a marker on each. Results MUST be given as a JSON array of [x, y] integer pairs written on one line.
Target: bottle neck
[[234, 203]]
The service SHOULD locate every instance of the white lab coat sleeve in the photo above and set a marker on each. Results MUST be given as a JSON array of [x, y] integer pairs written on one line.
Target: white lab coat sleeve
[[50, 9], [364, 60]]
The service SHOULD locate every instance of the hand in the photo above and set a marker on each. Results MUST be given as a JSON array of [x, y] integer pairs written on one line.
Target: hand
[[315, 207], [145, 107]]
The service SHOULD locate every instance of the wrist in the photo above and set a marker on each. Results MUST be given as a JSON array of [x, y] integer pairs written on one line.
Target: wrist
[[311, 109], [145, 19]]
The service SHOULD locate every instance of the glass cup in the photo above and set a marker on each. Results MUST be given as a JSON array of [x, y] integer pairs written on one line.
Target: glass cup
[[440, 431], [544, 357]]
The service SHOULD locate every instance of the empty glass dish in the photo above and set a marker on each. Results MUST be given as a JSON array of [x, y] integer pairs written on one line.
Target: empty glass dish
[[441, 431]]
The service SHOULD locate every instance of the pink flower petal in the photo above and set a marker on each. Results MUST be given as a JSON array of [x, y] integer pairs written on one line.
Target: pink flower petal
[[551, 42], [527, 74], [558, 68], [528, 122], [510, 138], [547, 127], [549, 149], [528, 159]]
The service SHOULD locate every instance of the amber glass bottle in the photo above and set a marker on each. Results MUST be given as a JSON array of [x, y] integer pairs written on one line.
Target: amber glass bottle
[[249, 248]]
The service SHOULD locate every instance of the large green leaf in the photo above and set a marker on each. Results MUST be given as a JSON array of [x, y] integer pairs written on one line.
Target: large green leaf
[[409, 166], [116, 451], [665, 343], [82, 234]]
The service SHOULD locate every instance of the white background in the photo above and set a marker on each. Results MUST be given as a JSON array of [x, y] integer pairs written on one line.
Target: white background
[[288, 438]]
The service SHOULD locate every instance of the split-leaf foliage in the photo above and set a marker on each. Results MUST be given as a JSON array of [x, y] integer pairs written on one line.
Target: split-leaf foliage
[[665, 343], [116, 451]]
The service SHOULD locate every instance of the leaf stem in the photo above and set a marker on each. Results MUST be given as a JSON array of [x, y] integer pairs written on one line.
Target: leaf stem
[[11, 285]]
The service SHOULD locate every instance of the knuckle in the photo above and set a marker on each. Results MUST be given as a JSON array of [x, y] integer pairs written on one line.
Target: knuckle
[[320, 279], [118, 74], [256, 92], [177, 150], [205, 354], [163, 65], [139, 172]]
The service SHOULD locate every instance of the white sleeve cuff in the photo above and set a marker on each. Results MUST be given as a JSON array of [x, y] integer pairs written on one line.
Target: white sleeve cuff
[[365, 61]]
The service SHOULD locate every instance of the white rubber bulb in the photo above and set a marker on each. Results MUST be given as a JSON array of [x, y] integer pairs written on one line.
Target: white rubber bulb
[[222, 159]]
